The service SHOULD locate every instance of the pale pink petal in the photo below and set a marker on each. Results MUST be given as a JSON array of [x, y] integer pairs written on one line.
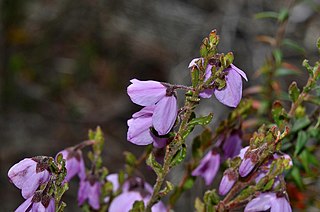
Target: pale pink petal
[[280, 204], [21, 171], [165, 115], [239, 71], [261, 203], [146, 93], [25, 205], [139, 130], [232, 93]]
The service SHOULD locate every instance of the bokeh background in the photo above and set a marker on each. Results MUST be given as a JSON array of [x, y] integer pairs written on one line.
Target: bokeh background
[[65, 66]]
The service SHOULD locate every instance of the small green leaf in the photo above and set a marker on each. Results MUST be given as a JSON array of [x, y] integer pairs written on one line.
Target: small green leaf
[[318, 44], [280, 72], [211, 198], [300, 123], [195, 75], [294, 92], [201, 120], [130, 158], [179, 156], [293, 45], [283, 15], [301, 142], [268, 14], [229, 58], [277, 54], [138, 206], [189, 183], [279, 114], [295, 173], [269, 185], [167, 189], [151, 161]]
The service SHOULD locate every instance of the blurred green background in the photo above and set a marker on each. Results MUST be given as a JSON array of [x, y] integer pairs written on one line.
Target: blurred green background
[[65, 66]]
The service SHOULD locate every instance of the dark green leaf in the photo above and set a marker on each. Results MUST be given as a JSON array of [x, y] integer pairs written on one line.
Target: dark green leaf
[[179, 156], [189, 183], [195, 75], [279, 114], [285, 72], [294, 91], [151, 161], [130, 158], [283, 15], [300, 123], [301, 142], [293, 45], [269, 185], [201, 120], [138, 206], [277, 54], [295, 173]]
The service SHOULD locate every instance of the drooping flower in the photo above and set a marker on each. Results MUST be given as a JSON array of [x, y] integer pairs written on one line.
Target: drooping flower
[[134, 189], [231, 94], [139, 126], [232, 145], [74, 163], [227, 181], [90, 190], [149, 93], [36, 203], [208, 167], [268, 200], [29, 174]]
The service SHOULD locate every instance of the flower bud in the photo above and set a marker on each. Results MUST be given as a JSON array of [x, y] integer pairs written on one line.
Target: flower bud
[[228, 180]]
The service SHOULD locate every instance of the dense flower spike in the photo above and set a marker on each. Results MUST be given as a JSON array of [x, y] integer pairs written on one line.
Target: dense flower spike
[[232, 93], [208, 167], [37, 203], [266, 201], [90, 189], [134, 189], [74, 163], [29, 174], [162, 96]]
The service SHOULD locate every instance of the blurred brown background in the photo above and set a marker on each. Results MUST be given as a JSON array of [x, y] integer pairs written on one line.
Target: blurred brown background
[[65, 66]]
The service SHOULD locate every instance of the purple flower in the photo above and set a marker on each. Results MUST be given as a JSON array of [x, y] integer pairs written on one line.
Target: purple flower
[[74, 163], [249, 161], [208, 167], [232, 145], [90, 189], [232, 93], [28, 174], [37, 202], [139, 127], [266, 201], [134, 189], [149, 93], [228, 180]]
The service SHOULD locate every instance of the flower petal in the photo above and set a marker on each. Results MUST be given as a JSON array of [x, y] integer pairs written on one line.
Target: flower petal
[[94, 196], [239, 71], [207, 93], [25, 205], [261, 203], [146, 93], [232, 93], [139, 130], [20, 172], [280, 204], [232, 146], [165, 115], [83, 192], [33, 182], [225, 185]]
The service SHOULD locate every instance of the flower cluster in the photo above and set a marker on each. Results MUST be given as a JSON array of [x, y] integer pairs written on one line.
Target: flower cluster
[[160, 111], [231, 94]]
